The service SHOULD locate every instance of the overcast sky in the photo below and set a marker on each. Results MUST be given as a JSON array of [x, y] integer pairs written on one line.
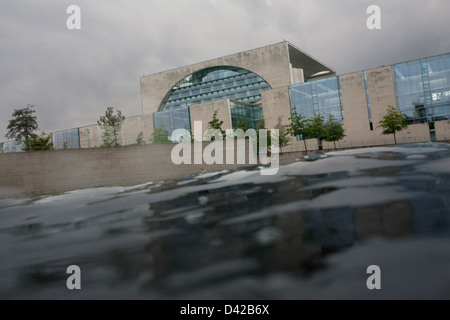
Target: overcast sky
[[71, 76]]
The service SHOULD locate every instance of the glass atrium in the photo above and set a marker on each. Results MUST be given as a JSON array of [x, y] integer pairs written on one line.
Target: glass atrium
[[252, 113], [172, 119], [423, 88], [11, 146], [317, 97], [67, 139], [208, 85]]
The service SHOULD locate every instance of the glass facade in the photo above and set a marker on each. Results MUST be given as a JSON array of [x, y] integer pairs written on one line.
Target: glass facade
[[423, 88], [173, 119], [67, 139], [252, 113], [208, 85], [215, 84], [11, 146], [317, 97]]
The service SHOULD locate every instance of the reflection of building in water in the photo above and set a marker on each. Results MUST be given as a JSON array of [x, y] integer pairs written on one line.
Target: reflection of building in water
[[276, 240], [391, 220]]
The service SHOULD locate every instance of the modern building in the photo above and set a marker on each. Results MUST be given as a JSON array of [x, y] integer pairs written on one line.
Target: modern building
[[268, 82]]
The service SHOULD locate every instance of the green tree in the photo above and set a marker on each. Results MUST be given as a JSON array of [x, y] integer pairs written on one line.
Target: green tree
[[243, 124], [314, 127], [298, 126], [22, 126], [393, 122], [42, 142], [283, 131], [333, 131], [160, 135], [140, 139], [216, 124], [111, 125]]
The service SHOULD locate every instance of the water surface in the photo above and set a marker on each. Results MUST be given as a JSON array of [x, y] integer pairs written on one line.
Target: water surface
[[310, 232]]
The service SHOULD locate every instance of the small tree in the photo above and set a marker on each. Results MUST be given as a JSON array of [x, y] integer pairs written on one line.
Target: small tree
[[283, 131], [243, 124], [315, 128], [160, 135], [297, 126], [22, 127], [42, 142], [140, 139], [393, 122], [111, 125], [333, 131], [216, 124]]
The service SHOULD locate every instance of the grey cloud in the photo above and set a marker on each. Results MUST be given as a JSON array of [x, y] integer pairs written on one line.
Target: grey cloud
[[72, 76]]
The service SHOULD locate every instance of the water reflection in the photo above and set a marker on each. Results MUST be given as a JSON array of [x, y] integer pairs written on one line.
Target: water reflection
[[310, 233]]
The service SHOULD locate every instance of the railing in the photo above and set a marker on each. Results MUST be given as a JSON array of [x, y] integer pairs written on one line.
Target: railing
[[9, 146], [350, 144], [373, 142]]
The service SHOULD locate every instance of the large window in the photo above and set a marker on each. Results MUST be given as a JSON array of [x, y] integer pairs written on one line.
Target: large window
[[253, 114], [208, 85], [423, 88], [11, 146], [173, 119], [317, 97], [67, 139], [213, 84]]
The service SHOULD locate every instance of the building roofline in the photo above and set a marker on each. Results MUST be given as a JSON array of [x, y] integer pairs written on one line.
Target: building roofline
[[211, 59], [428, 57], [391, 65], [309, 57]]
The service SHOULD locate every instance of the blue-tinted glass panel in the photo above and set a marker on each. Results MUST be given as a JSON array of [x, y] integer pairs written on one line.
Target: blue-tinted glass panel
[[414, 69], [423, 88], [253, 114], [12, 146], [67, 139], [173, 119], [321, 96], [215, 84]]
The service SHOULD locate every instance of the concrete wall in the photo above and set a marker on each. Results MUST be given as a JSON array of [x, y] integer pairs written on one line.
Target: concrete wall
[[381, 91], [205, 111], [354, 105], [356, 115], [414, 133], [90, 136], [299, 145], [270, 62], [133, 126], [59, 171], [442, 130], [127, 136], [276, 102], [297, 75]]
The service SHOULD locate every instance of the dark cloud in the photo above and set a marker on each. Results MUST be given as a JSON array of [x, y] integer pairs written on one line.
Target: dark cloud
[[72, 76]]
